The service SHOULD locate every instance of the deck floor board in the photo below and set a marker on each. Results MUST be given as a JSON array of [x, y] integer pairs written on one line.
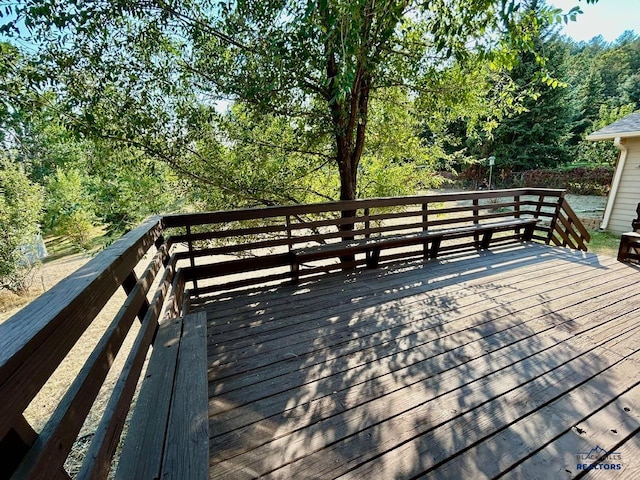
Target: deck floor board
[[424, 368]]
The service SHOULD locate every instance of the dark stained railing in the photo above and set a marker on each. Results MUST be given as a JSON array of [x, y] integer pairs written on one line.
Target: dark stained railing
[[568, 230], [263, 237], [207, 252]]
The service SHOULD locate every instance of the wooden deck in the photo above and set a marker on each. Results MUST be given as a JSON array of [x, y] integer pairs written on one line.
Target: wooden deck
[[504, 363]]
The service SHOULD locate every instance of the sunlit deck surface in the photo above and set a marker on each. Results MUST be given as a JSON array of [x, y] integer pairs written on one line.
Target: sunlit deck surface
[[505, 362]]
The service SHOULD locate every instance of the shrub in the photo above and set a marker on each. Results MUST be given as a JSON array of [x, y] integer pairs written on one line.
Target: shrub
[[579, 180], [70, 210], [20, 211]]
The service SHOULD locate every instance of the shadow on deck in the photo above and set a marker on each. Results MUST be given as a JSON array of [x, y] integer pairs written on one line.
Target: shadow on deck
[[507, 357], [511, 362]]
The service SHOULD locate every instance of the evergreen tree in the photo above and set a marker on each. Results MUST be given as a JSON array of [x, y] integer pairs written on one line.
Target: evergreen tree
[[535, 135]]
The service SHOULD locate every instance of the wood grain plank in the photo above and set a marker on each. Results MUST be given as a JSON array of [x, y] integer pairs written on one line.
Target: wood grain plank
[[57, 438], [446, 425], [258, 417], [187, 441], [405, 282], [602, 301], [628, 449], [253, 385], [141, 456], [306, 322], [427, 324], [265, 430], [610, 428], [391, 419], [541, 427]]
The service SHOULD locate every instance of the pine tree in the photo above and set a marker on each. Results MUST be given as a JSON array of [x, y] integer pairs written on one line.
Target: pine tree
[[535, 136]]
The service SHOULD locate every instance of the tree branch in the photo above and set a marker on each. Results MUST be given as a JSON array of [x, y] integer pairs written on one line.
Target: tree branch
[[205, 26], [290, 149]]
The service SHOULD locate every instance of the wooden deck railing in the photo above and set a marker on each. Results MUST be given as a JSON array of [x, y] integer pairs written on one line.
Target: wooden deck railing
[[567, 229], [209, 252], [264, 237], [35, 341]]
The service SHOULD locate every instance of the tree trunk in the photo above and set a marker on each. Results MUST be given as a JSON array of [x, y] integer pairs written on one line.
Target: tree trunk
[[349, 122], [349, 118]]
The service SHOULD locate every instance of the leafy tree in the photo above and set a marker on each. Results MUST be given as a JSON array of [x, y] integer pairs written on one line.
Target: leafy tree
[[70, 211], [20, 210], [602, 74], [535, 135], [127, 186], [150, 75]]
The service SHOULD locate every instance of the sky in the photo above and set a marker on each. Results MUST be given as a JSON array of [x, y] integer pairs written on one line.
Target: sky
[[609, 18]]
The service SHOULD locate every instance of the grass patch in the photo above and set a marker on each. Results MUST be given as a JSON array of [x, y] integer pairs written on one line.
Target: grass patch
[[10, 302], [604, 243], [60, 247]]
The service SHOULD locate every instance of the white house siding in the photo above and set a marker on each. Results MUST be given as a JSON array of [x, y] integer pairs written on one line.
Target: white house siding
[[628, 197]]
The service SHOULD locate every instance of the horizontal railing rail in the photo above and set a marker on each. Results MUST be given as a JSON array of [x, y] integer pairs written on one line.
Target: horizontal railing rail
[[213, 241], [206, 252], [36, 340]]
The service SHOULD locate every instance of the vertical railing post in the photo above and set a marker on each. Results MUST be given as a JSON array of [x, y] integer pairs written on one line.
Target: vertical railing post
[[289, 236], [554, 220], [539, 206], [293, 265], [425, 227], [367, 232], [476, 221], [516, 212], [367, 222], [192, 260]]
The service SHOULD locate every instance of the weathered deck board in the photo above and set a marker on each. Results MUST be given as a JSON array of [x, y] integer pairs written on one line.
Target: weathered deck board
[[422, 369], [297, 342], [186, 448], [611, 428], [449, 350]]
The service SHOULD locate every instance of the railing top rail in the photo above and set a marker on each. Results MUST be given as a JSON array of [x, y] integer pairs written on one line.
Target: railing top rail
[[68, 304], [180, 220]]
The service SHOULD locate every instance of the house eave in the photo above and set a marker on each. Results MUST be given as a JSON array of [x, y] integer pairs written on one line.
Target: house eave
[[612, 136]]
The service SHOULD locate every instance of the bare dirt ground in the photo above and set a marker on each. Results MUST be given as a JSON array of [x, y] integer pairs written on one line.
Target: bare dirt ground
[[587, 206], [49, 273]]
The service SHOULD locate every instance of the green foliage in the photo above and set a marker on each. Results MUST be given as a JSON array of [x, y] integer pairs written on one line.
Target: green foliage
[[69, 208], [534, 135], [127, 187], [88, 182], [602, 153], [131, 96], [20, 211], [577, 89], [150, 76], [397, 159], [602, 74]]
